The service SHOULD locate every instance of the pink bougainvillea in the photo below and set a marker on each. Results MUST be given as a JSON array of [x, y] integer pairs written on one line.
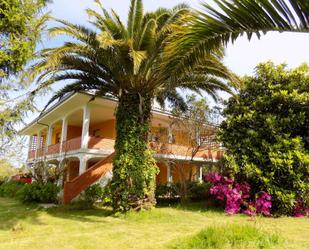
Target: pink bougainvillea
[[263, 204], [300, 209], [236, 196]]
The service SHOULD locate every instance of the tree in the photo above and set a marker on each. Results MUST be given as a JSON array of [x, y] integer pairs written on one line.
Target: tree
[[216, 25], [21, 24], [266, 134], [128, 62], [6, 170], [20, 29]]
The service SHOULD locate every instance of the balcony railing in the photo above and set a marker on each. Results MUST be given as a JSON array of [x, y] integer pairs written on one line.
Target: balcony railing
[[31, 154], [108, 144], [72, 144], [53, 149]]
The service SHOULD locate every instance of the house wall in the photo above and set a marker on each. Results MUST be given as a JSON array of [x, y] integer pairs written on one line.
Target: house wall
[[179, 172], [162, 176], [73, 170], [180, 137], [105, 129], [182, 171], [73, 132], [56, 135]]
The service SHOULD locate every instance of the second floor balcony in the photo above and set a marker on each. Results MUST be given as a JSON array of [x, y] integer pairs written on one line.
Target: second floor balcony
[[80, 124], [106, 145]]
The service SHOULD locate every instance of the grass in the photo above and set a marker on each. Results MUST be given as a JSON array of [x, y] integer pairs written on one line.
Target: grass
[[191, 226], [230, 236]]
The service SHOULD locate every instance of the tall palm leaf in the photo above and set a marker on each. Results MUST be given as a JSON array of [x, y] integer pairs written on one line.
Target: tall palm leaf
[[129, 63], [214, 26]]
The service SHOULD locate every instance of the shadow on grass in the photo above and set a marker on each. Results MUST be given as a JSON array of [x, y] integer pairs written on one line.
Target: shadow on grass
[[80, 213], [199, 207], [12, 212]]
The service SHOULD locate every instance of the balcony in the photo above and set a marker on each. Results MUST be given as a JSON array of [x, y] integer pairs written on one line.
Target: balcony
[[163, 149]]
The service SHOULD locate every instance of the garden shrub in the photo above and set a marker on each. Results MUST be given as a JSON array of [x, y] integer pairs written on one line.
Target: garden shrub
[[39, 192], [167, 191], [93, 194], [265, 134], [196, 191], [199, 190], [10, 188], [237, 197]]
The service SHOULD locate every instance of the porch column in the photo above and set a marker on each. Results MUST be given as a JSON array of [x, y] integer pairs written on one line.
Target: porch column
[[38, 144], [169, 174], [30, 143], [85, 131], [64, 132], [200, 176], [170, 134], [49, 137], [82, 164]]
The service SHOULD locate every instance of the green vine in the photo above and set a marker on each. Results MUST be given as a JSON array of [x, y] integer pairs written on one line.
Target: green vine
[[134, 168]]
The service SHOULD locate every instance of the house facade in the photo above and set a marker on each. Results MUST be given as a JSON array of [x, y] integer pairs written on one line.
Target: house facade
[[79, 133]]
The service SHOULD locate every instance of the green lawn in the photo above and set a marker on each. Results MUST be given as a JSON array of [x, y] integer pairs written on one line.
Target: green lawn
[[165, 227]]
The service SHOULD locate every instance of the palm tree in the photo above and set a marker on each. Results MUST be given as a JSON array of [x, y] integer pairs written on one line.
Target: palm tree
[[215, 26], [129, 63]]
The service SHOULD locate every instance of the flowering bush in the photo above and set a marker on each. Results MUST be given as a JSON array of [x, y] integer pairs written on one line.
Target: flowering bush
[[300, 209], [236, 196]]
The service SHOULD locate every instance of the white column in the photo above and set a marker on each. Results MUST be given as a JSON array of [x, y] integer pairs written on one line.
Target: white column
[[38, 144], [30, 143], [169, 174], [170, 134], [82, 164], [200, 176], [49, 137], [85, 131], [64, 132]]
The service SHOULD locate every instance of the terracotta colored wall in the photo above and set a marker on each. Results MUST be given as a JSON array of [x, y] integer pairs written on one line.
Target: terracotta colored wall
[[160, 133], [74, 131], [183, 170], [73, 170], [162, 176], [56, 134], [105, 129], [181, 138]]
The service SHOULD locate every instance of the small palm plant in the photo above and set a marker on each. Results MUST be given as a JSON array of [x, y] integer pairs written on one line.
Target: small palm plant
[[130, 62]]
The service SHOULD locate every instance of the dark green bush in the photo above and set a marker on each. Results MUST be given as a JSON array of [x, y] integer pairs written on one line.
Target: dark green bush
[[196, 191], [10, 188], [167, 191], [199, 190], [265, 133], [39, 192], [93, 193]]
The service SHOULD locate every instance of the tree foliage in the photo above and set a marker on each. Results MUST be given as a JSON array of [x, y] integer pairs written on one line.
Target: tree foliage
[[266, 133], [20, 26]]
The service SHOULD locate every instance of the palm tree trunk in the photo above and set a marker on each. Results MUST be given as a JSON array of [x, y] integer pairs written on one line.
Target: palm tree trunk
[[134, 168]]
